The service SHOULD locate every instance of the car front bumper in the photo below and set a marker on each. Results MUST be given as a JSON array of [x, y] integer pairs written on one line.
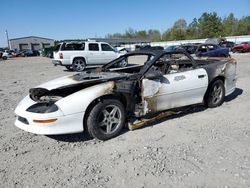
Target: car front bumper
[[63, 124]]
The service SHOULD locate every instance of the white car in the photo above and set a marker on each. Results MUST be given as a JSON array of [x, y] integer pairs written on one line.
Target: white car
[[6, 55], [78, 55], [101, 101]]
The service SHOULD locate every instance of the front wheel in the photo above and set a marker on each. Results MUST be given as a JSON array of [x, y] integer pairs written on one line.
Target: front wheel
[[78, 64], [106, 119], [215, 94]]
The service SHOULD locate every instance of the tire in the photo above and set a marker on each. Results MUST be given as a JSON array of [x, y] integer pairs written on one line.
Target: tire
[[215, 94], [123, 63], [79, 64], [68, 67], [4, 58], [106, 119]]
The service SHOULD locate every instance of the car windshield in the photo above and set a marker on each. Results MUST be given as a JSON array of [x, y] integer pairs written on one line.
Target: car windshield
[[131, 60]]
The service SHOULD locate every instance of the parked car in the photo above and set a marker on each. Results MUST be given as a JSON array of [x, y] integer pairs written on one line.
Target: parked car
[[211, 50], [29, 53], [221, 42], [227, 44], [149, 47], [78, 55], [16, 54], [6, 54], [171, 48], [121, 50], [242, 47], [101, 101]]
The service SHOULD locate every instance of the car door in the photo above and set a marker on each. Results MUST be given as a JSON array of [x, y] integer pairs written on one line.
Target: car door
[[94, 54], [108, 53], [174, 90]]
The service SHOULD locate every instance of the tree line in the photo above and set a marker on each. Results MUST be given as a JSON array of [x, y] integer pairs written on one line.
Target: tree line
[[207, 26]]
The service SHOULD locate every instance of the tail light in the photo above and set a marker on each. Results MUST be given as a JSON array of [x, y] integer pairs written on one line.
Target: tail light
[[61, 55]]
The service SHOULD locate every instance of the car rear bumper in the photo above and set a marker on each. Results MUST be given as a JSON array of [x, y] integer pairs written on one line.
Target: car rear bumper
[[57, 62], [62, 62]]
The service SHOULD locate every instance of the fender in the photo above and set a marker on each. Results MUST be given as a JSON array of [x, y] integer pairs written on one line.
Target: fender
[[79, 101]]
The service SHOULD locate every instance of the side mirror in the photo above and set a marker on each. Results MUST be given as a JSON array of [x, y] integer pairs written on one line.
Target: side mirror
[[154, 75]]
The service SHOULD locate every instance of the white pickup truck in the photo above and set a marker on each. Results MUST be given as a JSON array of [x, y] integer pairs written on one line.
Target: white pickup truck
[[78, 55]]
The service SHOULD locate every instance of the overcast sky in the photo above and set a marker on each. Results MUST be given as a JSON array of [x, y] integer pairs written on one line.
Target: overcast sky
[[61, 19]]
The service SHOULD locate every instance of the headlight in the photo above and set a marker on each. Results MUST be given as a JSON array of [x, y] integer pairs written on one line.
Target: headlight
[[43, 108]]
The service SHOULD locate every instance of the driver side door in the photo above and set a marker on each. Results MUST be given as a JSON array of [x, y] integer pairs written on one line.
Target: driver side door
[[174, 90]]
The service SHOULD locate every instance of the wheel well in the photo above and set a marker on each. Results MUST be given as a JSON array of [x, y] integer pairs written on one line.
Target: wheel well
[[121, 98], [222, 78], [78, 58]]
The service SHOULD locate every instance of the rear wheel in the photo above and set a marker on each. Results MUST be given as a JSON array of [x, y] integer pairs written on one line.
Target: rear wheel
[[123, 63], [4, 57], [78, 64], [106, 119], [215, 94]]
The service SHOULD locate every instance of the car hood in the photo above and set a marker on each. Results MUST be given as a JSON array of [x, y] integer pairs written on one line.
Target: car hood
[[56, 89], [81, 78]]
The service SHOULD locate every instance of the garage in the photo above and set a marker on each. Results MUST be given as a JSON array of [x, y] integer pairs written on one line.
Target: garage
[[46, 45], [35, 46], [31, 42], [23, 46]]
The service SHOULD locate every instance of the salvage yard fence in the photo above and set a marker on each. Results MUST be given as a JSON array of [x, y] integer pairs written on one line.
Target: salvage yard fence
[[235, 39]]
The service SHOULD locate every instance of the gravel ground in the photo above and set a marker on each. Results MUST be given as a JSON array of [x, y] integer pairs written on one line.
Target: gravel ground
[[203, 148]]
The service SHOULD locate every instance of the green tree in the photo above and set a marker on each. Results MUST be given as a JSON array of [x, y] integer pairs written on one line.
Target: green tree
[[180, 24], [244, 26], [141, 34], [154, 35], [129, 33], [192, 31], [230, 24], [210, 25], [166, 36]]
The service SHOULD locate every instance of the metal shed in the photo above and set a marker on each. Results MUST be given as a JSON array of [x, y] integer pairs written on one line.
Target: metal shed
[[30, 42]]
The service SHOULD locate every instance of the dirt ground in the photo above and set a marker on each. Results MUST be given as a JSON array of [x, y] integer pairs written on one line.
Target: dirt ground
[[202, 148]]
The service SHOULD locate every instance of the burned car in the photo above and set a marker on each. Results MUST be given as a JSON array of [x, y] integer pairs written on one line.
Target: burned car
[[103, 100]]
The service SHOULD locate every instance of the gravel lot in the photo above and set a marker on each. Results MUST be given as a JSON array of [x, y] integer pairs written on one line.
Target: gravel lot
[[203, 148]]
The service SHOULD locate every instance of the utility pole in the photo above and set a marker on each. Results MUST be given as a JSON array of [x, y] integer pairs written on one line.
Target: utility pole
[[7, 36]]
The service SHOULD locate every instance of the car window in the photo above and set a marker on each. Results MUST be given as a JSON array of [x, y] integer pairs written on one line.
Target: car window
[[137, 59], [93, 47], [202, 49], [211, 47], [106, 47], [73, 46], [171, 63]]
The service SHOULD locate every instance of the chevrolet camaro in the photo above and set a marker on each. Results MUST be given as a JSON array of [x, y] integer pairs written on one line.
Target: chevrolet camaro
[[103, 100]]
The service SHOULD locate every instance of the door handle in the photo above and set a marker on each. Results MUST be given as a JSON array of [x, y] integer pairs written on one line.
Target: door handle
[[201, 76]]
